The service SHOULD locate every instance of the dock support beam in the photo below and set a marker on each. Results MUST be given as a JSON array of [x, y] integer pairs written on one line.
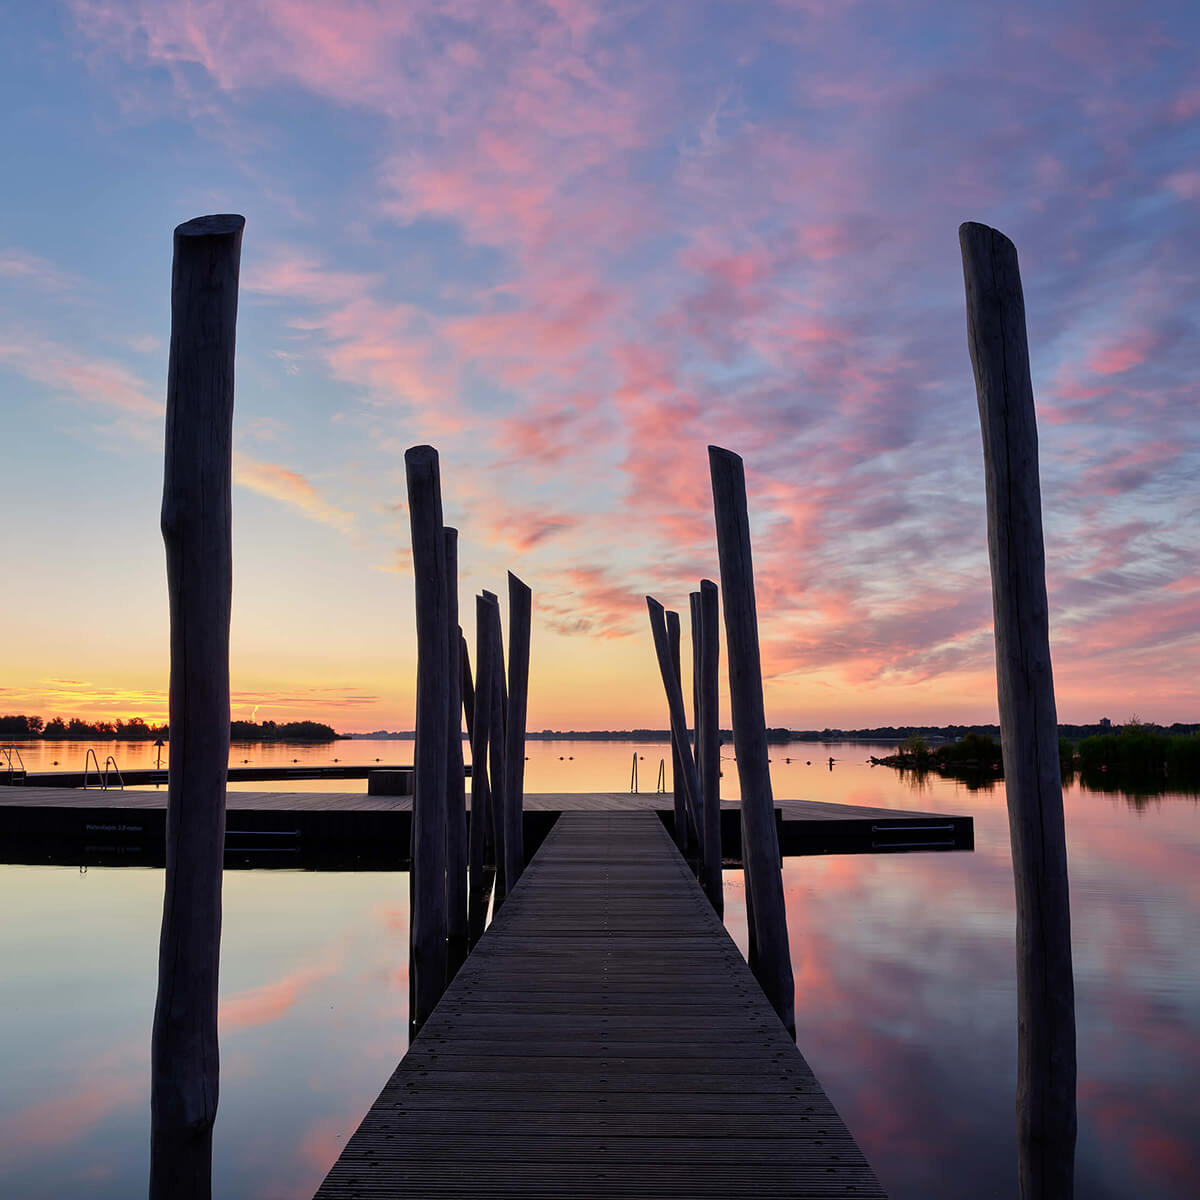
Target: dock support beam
[[428, 877], [772, 960], [1046, 1108], [197, 532]]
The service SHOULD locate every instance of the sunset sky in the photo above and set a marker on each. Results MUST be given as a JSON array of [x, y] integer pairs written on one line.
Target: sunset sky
[[571, 244]]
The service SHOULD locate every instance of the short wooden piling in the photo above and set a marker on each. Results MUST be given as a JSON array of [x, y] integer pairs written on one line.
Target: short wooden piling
[[1046, 1066], [520, 615], [706, 654], [197, 532], [683, 837], [456, 808], [674, 691], [760, 841], [428, 872]]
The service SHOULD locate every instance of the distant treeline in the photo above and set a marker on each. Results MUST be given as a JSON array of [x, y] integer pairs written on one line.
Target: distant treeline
[[1133, 757], [22, 728]]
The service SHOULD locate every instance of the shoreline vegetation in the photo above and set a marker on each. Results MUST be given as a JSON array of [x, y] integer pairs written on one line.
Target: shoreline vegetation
[[21, 728], [1135, 757]]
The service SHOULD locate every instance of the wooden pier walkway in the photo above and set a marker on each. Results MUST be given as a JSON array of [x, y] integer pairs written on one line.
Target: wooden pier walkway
[[604, 1039]]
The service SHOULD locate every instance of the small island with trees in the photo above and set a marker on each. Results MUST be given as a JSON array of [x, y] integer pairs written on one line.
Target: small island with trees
[[1134, 757]]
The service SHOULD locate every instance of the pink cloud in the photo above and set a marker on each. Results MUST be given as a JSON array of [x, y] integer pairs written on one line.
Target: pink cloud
[[290, 488]]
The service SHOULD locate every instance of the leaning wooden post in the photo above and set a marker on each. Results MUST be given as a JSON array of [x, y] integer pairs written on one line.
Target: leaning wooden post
[[520, 612], [480, 796], [197, 531], [760, 840], [674, 690], [467, 685], [456, 801], [706, 652], [1046, 1113], [682, 840], [428, 879]]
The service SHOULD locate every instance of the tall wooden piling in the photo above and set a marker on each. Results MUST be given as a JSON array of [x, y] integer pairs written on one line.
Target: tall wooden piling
[[683, 837], [456, 800], [674, 691], [1046, 1068], [497, 694], [760, 840], [520, 614], [706, 655], [428, 874], [197, 532], [480, 885]]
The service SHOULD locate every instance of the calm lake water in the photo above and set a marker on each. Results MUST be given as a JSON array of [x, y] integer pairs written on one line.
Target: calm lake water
[[905, 997]]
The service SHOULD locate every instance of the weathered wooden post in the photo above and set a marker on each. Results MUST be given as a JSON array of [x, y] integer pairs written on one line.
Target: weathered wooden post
[[682, 838], [468, 686], [1046, 1112], [520, 614], [760, 841], [197, 531], [706, 654], [456, 799], [674, 690], [428, 872], [480, 793], [496, 743]]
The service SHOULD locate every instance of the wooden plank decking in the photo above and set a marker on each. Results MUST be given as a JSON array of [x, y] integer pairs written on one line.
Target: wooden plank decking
[[605, 1038]]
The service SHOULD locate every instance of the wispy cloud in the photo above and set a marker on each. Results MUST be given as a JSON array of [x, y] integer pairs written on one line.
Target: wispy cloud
[[290, 488]]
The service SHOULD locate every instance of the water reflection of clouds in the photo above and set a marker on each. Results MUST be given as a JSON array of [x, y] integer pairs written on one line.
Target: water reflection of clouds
[[906, 1006]]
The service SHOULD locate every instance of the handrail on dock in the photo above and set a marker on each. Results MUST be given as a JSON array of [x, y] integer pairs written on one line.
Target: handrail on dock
[[16, 774], [662, 776], [102, 777], [633, 778], [117, 770]]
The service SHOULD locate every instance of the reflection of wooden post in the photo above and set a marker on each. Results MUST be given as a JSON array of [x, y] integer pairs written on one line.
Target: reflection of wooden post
[[480, 795], [1046, 1114], [428, 881], [682, 838], [456, 798], [760, 841], [520, 613], [706, 652], [674, 690], [197, 531]]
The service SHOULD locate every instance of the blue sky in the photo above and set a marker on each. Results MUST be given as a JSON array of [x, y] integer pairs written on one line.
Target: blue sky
[[570, 244]]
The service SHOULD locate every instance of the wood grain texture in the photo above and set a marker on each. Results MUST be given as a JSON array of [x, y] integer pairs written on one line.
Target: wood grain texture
[[456, 800], [480, 886], [604, 1039], [520, 616], [428, 877], [674, 693], [1046, 1067], [197, 531], [683, 838], [706, 638], [760, 844], [498, 695]]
